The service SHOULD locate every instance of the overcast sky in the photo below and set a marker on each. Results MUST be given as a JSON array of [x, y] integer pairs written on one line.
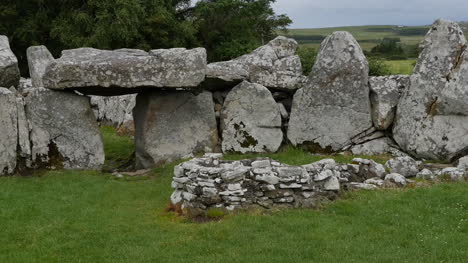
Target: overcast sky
[[331, 13]]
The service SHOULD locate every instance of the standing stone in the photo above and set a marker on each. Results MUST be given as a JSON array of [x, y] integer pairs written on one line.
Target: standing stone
[[39, 58], [385, 95], [115, 110], [63, 130], [273, 65], [251, 120], [334, 105], [432, 116], [124, 71], [9, 72], [8, 131], [173, 125]]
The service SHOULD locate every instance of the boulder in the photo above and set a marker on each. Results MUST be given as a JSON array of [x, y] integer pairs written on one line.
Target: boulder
[[250, 120], [39, 58], [405, 166], [463, 163], [385, 93], [432, 117], [125, 71], [8, 131], [63, 130], [334, 106], [9, 71], [395, 179], [374, 147], [114, 110], [274, 65], [170, 125]]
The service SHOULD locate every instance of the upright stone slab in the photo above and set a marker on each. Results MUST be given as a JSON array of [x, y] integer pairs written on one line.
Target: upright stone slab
[[432, 116], [385, 95], [9, 72], [125, 71], [171, 125], [334, 105], [251, 120], [63, 130], [39, 58], [8, 131], [273, 65], [115, 110]]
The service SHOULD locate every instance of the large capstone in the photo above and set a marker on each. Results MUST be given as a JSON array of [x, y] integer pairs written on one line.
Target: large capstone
[[432, 116], [385, 95], [8, 131], [124, 71], [170, 125], [273, 65], [334, 105], [39, 58], [63, 130], [251, 120], [9, 72]]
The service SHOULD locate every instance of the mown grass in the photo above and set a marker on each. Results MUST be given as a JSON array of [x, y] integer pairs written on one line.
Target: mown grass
[[86, 216], [119, 149], [401, 67]]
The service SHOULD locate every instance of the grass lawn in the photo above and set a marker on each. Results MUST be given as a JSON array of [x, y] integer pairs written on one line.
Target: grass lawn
[[401, 67], [85, 216]]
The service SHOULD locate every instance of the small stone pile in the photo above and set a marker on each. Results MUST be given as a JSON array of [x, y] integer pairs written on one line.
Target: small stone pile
[[210, 182]]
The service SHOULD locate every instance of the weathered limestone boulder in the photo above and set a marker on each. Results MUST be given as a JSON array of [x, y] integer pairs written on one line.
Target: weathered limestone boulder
[[334, 105], [432, 116], [114, 110], [9, 72], [375, 147], [274, 65], [8, 131], [405, 166], [171, 125], [385, 95], [39, 58], [63, 130], [251, 120], [125, 71]]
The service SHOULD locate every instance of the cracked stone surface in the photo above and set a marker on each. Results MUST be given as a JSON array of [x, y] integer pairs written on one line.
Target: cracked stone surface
[[334, 106], [39, 58], [432, 117], [8, 131], [124, 71], [251, 120], [171, 125], [9, 72]]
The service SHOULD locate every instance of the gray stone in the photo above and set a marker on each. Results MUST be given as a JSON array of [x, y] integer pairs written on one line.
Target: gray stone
[[362, 186], [375, 181], [374, 147], [274, 65], [454, 173], [334, 105], [8, 131], [431, 121], [9, 72], [102, 72], [426, 174], [463, 163], [250, 120], [369, 169], [115, 110], [63, 129], [385, 93], [39, 58], [173, 125], [396, 179], [333, 184], [406, 166]]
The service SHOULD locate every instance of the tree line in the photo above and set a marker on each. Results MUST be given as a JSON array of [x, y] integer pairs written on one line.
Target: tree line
[[226, 28]]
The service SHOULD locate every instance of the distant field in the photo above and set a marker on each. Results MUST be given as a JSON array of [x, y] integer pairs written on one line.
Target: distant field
[[367, 36], [401, 67]]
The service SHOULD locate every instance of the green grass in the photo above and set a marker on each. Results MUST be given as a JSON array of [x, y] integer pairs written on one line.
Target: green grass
[[119, 149], [86, 216], [401, 67]]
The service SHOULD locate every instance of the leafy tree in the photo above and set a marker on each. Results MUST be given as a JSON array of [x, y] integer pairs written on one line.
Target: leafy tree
[[230, 28], [308, 56], [377, 67]]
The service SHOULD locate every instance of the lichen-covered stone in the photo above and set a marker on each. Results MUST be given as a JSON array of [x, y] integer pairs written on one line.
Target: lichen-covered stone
[[385, 93], [274, 65], [432, 117], [8, 131], [334, 106], [124, 71], [39, 58], [9, 72], [115, 110], [250, 120], [63, 130], [171, 125]]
